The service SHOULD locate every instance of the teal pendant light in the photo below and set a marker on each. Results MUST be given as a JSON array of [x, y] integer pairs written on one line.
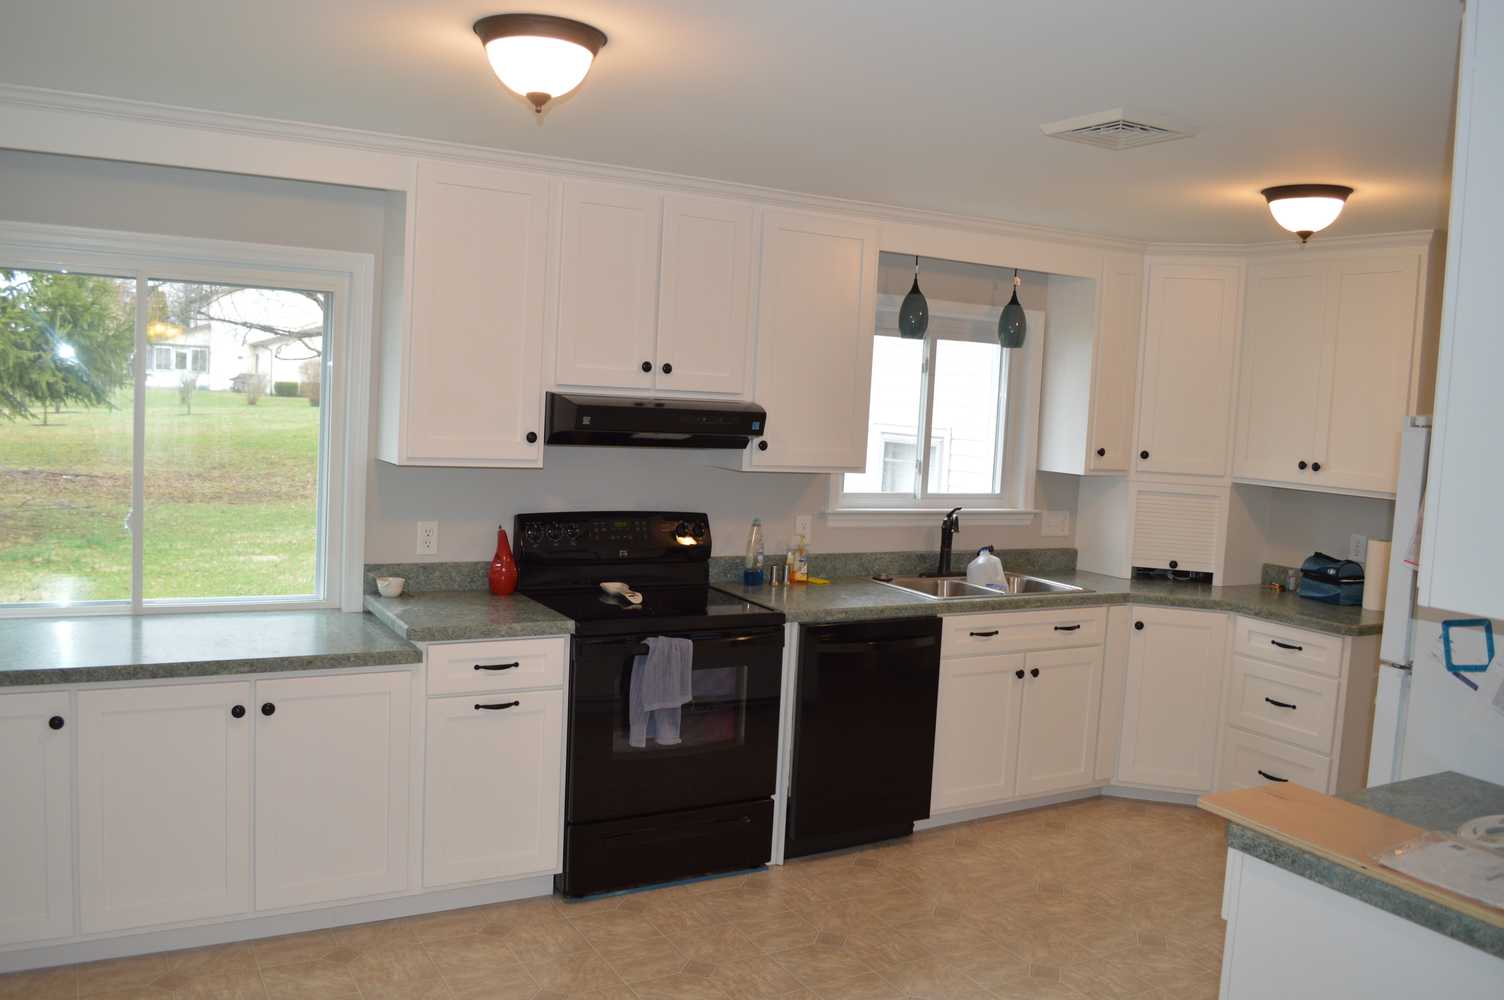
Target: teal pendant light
[[1012, 325], [914, 313]]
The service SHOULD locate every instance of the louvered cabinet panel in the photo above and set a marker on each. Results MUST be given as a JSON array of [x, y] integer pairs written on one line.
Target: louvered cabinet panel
[[1179, 528]]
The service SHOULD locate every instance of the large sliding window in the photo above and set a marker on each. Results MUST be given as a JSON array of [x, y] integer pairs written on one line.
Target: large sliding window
[[171, 429]]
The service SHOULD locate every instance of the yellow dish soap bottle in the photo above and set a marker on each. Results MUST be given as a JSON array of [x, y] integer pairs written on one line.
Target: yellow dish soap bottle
[[800, 571]]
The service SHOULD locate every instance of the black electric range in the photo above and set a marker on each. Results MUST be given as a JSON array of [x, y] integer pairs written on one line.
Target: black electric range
[[641, 810]]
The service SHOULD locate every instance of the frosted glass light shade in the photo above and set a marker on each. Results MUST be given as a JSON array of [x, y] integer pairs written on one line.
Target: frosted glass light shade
[[539, 56], [1305, 209]]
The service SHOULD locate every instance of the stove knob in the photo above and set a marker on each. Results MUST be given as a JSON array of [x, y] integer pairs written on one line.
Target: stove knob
[[532, 533], [699, 529], [553, 532]]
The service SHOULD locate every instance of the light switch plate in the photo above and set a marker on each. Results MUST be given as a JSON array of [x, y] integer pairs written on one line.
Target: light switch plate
[[1055, 523], [1357, 548], [428, 538]]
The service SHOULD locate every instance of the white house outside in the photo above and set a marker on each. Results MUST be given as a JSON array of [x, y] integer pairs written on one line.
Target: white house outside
[[246, 334]]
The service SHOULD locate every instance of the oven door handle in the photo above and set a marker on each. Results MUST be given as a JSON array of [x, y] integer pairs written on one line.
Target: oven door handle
[[708, 640]]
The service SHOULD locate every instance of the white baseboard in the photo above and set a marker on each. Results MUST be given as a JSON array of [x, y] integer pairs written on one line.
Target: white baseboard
[[1002, 808], [248, 928], [1151, 795]]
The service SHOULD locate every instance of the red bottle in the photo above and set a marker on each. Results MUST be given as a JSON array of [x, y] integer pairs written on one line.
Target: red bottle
[[503, 572]]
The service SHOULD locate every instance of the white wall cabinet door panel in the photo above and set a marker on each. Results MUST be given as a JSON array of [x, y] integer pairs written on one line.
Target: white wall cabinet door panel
[[36, 817], [704, 295], [1367, 376], [1172, 699], [1115, 373], [333, 777], [1185, 413], [816, 317], [976, 730], [164, 789], [1285, 353], [473, 389], [608, 286], [493, 787], [1057, 736]]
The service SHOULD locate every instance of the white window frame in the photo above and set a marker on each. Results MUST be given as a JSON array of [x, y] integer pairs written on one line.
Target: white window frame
[[343, 443], [1013, 503]]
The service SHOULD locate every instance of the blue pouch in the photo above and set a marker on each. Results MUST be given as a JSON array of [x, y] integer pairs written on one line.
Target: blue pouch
[[1331, 580]]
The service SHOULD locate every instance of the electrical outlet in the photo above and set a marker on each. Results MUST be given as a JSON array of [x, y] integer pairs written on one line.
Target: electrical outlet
[[428, 538], [1055, 523], [804, 524], [1357, 548]]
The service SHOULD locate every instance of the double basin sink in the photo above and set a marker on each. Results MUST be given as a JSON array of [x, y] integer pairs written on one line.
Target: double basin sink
[[950, 588]]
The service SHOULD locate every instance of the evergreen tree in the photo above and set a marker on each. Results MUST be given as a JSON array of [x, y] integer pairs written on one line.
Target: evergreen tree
[[64, 338]]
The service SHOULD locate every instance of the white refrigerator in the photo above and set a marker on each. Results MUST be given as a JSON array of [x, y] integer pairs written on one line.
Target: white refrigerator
[[1426, 717]]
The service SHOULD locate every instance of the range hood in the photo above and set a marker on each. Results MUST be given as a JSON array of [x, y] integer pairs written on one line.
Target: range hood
[[651, 423]]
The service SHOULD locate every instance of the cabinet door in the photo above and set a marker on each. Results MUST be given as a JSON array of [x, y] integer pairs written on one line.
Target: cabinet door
[[36, 823], [1368, 372], [332, 786], [1285, 348], [704, 295], [492, 792], [608, 286], [816, 317], [474, 355], [976, 730], [1115, 373], [1185, 413], [1057, 734], [164, 819], [1176, 662]]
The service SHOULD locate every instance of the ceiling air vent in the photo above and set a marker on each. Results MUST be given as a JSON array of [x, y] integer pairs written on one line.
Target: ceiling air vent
[[1116, 129]]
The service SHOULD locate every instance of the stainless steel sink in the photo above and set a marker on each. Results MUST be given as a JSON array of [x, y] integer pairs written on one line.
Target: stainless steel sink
[[950, 588]]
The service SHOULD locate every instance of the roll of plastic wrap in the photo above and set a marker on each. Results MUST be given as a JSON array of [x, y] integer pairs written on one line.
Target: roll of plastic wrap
[[1376, 575]]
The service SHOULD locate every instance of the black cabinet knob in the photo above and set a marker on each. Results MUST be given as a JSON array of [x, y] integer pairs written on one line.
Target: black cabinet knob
[[1019, 674], [1138, 626], [1034, 672], [532, 437], [1144, 455], [647, 366], [668, 369], [762, 446], [56, 722], [1101, 452], [238, 712], [268, 709], [1315, 466], [1174, 564], [1301, 465]]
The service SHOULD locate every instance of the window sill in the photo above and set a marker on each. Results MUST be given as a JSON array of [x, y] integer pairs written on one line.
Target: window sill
[[901, 517]]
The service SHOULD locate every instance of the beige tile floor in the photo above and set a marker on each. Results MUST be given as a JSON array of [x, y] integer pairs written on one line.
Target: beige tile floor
[[1104, 898]]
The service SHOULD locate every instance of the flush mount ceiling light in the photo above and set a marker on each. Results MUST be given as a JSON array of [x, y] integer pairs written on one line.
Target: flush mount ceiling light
[[1305, 209], [539, 56]]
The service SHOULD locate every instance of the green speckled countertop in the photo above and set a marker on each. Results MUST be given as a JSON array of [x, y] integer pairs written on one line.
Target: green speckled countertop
[[459, 615], [854, 599], [1435, 802], [86, 650]]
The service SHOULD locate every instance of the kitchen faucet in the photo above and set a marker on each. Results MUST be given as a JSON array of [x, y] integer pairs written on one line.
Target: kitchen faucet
[[948, 528]]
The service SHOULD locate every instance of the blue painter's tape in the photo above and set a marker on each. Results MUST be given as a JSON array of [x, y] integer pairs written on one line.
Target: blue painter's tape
[[1488, 640]]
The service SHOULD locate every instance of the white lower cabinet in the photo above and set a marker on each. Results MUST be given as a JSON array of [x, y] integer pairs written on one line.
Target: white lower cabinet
[[164, 804], [333, 758], [976, 729], [494, 770], [36, 817], [1172, 697], [1057, 733]]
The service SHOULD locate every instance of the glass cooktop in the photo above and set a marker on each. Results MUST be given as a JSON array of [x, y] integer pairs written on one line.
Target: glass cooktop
[[663, 609]]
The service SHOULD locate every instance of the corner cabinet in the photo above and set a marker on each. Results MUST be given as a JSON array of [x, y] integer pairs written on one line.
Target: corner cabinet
[[1172, 699], [816, 317], [461, 359], [36, 822]]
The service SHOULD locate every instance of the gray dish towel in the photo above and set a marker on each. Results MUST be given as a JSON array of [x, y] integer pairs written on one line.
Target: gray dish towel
[[660, 687]]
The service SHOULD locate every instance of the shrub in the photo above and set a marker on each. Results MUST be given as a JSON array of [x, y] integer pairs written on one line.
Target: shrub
[[285, 389], [253, 388]]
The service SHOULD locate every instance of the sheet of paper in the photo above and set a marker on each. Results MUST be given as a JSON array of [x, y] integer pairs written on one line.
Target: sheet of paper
[[1467, 871]]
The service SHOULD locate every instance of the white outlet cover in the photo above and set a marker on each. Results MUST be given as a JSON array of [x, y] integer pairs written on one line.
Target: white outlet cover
[[1055, 523], [428, 538], [804, 524], [1357, 548]]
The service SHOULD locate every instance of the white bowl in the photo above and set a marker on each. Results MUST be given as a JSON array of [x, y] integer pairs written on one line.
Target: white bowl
[[390, 586]]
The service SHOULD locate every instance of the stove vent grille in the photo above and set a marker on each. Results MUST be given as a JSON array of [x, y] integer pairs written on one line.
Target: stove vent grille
[[1116, 129]]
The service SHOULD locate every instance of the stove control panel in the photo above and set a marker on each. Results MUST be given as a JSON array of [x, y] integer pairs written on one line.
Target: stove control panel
[[613, 536]]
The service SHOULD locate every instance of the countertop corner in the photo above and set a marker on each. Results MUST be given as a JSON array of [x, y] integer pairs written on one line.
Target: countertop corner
[[465, 615]]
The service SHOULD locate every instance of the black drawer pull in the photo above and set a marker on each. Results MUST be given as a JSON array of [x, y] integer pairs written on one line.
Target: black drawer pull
[[1278, 704], [985, 635], [498, 706], [496, 666], [1287, 645], [1067, 628], [1272, 777]]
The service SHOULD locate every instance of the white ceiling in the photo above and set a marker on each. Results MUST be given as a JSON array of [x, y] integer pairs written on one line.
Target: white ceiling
[[931, 105]]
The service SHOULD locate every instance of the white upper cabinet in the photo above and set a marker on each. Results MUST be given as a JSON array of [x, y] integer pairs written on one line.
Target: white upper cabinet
[[1172, 699], [816, 317], [1191, 330], [1329, 348], [608, 286], [1091, 369], [1462, 547], [36, 823], [704, 295], [462, 377]]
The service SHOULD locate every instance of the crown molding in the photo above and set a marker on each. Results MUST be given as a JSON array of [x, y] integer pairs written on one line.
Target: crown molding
[[68, 105]]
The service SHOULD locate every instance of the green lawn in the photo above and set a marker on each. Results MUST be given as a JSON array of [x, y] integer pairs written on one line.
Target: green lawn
[[230, 509]]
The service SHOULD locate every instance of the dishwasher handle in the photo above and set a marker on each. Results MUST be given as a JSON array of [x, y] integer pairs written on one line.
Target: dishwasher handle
[[875, 645]]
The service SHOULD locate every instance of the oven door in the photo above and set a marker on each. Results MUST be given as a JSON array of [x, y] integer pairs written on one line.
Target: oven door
[[728, 733]]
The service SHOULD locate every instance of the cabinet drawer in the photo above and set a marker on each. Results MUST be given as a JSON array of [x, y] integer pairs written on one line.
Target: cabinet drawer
[[507, 665], [1287, 704], [1249, 761], [1008, 632], [1290, 647]]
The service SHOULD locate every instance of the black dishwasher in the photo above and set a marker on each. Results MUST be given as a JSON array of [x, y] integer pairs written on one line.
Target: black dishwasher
[[864, 733]]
